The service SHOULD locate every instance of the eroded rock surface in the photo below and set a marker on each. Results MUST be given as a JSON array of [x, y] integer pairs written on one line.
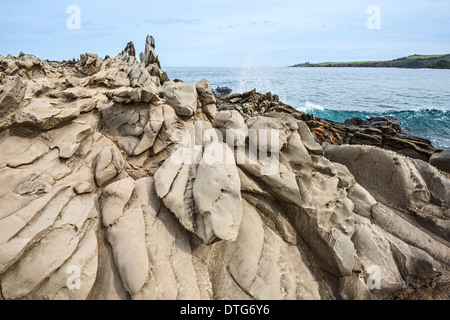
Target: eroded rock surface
[[118, 183]]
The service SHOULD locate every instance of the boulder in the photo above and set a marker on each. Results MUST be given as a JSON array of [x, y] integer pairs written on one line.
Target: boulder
[[89, 64], [232, 126], [107, 166], [11, 100], [441, 160], [182, 97]]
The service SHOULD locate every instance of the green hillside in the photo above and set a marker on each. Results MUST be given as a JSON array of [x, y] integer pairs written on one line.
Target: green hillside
[[413, 62]]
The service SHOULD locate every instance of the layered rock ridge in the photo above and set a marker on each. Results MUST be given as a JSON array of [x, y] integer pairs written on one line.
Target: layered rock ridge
[[118, 183]]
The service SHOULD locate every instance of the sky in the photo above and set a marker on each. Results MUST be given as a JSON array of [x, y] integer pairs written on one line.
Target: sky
[[229, 33]]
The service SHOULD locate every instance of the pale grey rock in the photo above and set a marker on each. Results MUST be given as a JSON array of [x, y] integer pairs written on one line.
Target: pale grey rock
[[397, 182], [287, 119], [240, 267], [114, 198], [85, 258], [76, 93], [272, 210], [28, 224], [276, 177], [414, 264], [149, 56], [119, 79], [9, 66], [122, 121], [83, 105], [33, 67], [176, 177], [151, 130], [26, 66], [405, 181], [128, 144], [73, 82], [409, 233], [11, 99], [107, 165], [127, 237], [270, 269], [129, 50], [49, 164], [437, 183], [171, 261], [20, 280], [308, 139], [268, 134], [362, 200], [99, 77], [124, 95], [217, 193], [296, 153], [139, 76], [182, 97], [108, 284], [232, 126], [205, 92], [210, 110], [69, 141], [169, 255], [128, 95], [374, 251], [353, 288], [82, 188], [211, 216], [167, 135], [29, 149], [43, 115], [38, 87], [89, 64], [32, 187], [278, 274], [441, 160]]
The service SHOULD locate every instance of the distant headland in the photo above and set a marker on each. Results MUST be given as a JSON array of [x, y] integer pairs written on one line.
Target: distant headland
[[412, 62]]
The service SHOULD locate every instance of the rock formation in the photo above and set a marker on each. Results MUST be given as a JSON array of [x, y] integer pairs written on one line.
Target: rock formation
[[121, 184], [384, 132]]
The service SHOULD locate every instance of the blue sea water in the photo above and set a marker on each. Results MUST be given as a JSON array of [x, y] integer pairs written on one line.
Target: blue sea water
[[419, 98]]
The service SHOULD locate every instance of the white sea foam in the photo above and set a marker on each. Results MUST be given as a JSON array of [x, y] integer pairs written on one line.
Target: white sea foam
[[310, 107]]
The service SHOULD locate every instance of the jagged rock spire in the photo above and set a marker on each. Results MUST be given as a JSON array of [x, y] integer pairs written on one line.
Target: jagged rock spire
[[149, 57], [129, 49], [150, 41]]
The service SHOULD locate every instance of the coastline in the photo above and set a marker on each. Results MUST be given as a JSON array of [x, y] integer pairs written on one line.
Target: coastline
[[409, 62]]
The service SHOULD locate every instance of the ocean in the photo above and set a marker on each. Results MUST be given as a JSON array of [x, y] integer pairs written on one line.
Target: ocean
[[419, 98]]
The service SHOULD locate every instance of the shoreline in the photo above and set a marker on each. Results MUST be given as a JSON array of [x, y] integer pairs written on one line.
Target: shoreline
[[409, 62]]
